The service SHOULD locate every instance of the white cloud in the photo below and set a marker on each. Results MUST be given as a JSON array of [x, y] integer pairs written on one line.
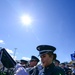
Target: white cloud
[[9, 51], [14, 57], [26, 58], [2, 42]]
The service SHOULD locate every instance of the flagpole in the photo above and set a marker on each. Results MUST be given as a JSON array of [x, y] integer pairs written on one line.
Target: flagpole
[[15, 52]]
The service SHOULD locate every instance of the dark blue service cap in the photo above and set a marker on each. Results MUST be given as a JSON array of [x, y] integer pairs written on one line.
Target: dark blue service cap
[[57, 61], [34, 58], [24, 61], [43, 49]]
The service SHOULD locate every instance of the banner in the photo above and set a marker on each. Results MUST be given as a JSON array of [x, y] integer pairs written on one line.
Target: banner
[[73, 56]]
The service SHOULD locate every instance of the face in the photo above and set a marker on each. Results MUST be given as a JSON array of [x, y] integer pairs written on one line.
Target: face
[[62, 65], [46, 59], [22, 63], [56, 63], [33, 63]]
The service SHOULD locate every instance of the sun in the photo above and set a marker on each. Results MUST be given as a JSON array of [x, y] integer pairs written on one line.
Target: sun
[[26, 20]]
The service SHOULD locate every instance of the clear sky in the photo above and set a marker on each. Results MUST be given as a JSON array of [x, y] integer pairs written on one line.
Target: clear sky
[[53, 24]]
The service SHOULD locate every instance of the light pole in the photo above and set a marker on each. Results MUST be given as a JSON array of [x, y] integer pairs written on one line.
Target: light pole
[[15, 52]]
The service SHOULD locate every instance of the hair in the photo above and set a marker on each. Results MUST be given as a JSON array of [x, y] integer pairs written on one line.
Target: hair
[[54, 55]]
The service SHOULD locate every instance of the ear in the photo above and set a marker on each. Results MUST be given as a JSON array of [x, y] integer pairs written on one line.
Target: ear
[[51, 56]]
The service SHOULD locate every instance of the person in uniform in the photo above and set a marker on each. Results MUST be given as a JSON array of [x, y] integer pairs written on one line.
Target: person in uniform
[[57, 63], [32, 66], [47, 56], [66, 68], [34, 61], [24, 63]]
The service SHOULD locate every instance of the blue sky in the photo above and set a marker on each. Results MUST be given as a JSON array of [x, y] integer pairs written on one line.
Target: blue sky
[[53, 24]]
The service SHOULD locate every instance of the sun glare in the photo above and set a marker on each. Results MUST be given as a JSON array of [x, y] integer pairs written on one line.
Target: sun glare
[[26, 20]]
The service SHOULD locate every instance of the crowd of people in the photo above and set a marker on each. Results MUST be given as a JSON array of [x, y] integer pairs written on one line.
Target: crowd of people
[[49, 65]]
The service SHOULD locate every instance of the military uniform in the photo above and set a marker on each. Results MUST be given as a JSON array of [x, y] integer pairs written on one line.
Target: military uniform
[[19, 70], [57, 62], [32, 70], [61, 70], [24, 63], [50, 70]]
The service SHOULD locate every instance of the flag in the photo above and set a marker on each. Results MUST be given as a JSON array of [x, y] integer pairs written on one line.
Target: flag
[[73, 56]]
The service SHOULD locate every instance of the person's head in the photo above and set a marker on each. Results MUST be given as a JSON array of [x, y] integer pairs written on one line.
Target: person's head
[[23, 62], [46, 54], [56, 62], [34, 61], [62, 65]]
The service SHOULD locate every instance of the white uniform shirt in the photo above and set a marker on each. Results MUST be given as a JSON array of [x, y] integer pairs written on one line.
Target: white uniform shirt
[[20, 70]]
